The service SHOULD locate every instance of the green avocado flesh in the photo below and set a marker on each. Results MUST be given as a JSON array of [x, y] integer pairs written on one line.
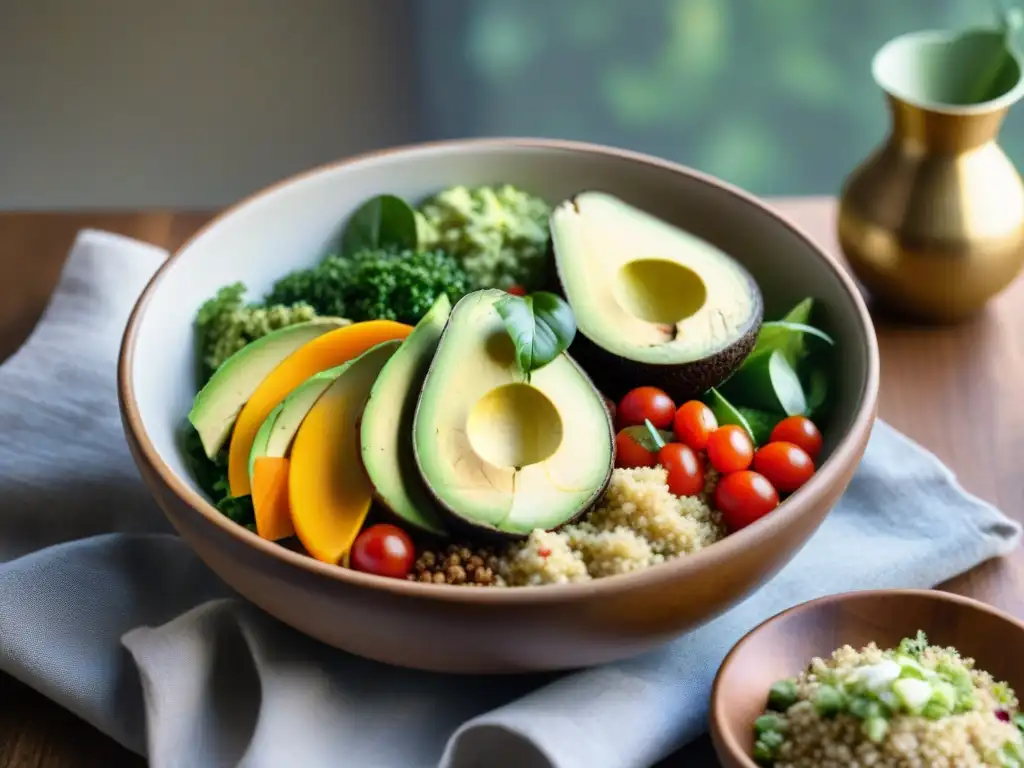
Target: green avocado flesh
[[275, 435], [499, 451], [386, 427], [219, 402], [647, 294]]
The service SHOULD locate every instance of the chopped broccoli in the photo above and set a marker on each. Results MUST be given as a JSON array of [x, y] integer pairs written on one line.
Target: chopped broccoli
[[498, 234], [374, 285], [226, 323]]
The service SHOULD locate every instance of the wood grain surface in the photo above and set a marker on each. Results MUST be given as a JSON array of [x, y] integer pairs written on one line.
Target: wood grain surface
[[955, 390]]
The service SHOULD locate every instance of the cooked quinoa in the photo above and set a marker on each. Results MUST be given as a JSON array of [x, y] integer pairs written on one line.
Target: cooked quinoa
[[637, 523], [916, 706]]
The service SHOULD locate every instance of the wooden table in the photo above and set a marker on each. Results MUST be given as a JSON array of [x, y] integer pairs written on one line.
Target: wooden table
[[955, 390]]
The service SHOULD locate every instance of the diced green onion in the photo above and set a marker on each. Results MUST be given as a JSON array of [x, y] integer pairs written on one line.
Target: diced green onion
[[769, 723], [829, 701], [782, 695], [875, 728], [866, 708], [933, 710]]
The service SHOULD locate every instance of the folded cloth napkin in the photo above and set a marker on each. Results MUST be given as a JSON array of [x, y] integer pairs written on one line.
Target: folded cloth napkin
[[106, 611]]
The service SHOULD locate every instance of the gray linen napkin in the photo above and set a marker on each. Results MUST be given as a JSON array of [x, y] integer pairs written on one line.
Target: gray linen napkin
[[105, 610]]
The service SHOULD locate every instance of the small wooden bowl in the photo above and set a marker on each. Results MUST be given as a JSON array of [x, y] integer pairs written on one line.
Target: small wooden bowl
[[785, 644]]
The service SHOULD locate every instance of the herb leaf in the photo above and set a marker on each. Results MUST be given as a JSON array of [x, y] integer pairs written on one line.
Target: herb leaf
[[727, 413], [541, 326], [382, 222], [767, 381]]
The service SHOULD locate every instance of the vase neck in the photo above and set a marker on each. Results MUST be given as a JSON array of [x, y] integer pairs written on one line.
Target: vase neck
[[940, 131]]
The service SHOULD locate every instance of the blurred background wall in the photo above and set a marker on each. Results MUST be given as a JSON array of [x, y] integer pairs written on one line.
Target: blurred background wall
[[130, 103], [114, 103]]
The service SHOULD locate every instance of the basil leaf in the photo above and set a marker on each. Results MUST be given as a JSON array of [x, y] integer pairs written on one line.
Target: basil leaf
[[816, 385], [725, 412], [788, 333], [541, 326], [761, 423], [643, 437], [767, 381], [801, 313], [385, 221]]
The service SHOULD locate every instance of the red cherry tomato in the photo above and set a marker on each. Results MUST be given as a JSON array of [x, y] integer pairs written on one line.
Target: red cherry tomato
[[787, 466], [730, 449], [693, 424], [685, 469], [800, 431], [629, 453], [516, 290], [743, 497], [384, 550], [646, 403]]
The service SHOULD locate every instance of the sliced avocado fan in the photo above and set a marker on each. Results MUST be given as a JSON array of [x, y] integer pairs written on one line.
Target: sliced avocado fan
[[219, 402], [275, 435], [386, 428]]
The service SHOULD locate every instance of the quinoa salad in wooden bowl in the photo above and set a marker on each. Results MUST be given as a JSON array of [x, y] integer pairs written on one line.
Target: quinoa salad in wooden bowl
[[942, 696]]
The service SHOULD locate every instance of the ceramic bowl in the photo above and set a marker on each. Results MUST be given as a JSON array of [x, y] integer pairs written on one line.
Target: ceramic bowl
[[785, 644], [456, 629]]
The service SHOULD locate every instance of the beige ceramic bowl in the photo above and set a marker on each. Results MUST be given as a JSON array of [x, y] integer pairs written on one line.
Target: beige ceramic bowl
[[483, 630]]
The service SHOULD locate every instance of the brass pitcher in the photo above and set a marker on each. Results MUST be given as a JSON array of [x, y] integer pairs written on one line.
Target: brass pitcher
[[932, 223]]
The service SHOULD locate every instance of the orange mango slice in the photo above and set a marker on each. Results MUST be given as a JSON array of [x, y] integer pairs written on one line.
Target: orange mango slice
[[270, 498], [323, 352], [329, 491]]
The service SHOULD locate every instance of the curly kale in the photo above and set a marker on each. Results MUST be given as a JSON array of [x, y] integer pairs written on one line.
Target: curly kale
[[225, 324], [374, 285], [212, 477]]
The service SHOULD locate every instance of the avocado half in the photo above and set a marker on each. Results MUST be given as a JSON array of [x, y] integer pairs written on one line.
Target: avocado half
[[504, 453], [654, 304]]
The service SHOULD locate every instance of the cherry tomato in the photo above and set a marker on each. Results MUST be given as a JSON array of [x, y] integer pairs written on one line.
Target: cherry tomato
[[800, 431], [646, 403], [516, 290], [693, 423], [787, 466], [629, 453], [743, 497], [730, 449], [384, 550], [685, 469]]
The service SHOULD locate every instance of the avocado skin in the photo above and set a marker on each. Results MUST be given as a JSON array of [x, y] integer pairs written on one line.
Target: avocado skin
[[456, 524], [615, 375]]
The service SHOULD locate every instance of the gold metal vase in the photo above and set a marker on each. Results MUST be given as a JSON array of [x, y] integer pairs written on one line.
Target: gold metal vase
[[932, 222]]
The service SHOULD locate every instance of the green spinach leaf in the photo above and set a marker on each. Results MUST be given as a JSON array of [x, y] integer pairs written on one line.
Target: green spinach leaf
[[769, 382], [761, 423], [541, 325], [382, 222], [725, 412]]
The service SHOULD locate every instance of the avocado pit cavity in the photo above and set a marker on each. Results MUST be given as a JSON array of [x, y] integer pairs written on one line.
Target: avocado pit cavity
[[659, 291], [514, 425]]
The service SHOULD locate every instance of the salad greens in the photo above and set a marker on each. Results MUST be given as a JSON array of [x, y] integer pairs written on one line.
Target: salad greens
[[786, 374], [385, 221], [541, 326]]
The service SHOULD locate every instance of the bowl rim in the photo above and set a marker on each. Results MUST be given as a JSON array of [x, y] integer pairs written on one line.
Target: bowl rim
[[725, 739], [789, 512]]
